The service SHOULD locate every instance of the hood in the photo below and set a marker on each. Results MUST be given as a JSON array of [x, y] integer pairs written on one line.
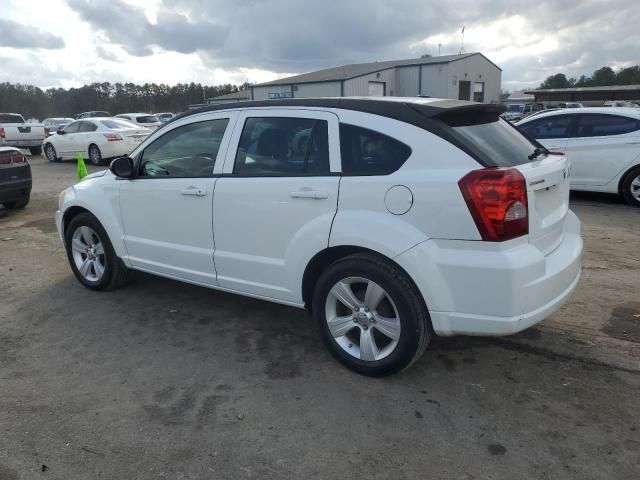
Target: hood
[[94, 175]]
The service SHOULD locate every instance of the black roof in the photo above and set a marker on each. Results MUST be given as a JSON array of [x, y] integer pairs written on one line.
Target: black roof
[[410, 110]]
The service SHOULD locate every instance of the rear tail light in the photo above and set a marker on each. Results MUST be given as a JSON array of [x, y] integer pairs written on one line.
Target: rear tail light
[[7, 158], [2, 132], [112, 137], [497, 201]]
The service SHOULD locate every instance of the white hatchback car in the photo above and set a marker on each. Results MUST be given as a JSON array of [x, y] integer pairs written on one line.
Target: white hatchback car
[[602, 144], [394, 219], [99, 138]]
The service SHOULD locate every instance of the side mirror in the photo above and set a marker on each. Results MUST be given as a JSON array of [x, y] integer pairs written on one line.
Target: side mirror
[[61, 132], [122, 167]]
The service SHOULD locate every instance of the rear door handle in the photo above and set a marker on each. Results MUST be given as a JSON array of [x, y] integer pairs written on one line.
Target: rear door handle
[[308, 193], [194, 191]]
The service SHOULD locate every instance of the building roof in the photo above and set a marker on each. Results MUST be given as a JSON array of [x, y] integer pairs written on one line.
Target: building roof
[[239, 95], [606, 92], [346, 72]]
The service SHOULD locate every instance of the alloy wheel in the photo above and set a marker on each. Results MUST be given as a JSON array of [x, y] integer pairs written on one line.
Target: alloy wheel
[[88, 253], [362, 319], [635, 188]]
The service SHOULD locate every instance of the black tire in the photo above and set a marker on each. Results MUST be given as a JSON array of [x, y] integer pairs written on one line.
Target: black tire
[[50, 153], [95, 155], [36, 150], [21, 203], [115, 272], [415, 323], [627, 188]]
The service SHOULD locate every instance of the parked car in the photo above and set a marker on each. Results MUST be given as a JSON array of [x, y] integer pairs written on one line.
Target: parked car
[[165, 116], [518, 111], [603, 146], [142, 119], [570, 105], [620, 103], [403, 218], [99, 138], [15, 178], [93, 114], [53, 125], [15, 132]]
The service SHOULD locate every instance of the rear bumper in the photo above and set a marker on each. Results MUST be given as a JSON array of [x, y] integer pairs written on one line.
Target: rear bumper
[[14, 189], [21, 143], [482, 288]]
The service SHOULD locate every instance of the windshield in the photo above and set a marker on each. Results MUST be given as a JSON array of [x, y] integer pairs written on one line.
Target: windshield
[[100, 114], [499, 143], [114, 124], [11, 118], [515, 108], [147, 119]]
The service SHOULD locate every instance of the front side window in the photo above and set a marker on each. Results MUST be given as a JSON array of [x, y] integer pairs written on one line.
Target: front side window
[[187, 151], [283, 146], [367, 152], [598, 125], [549, 127]]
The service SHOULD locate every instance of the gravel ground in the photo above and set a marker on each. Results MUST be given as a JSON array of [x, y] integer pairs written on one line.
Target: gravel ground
[[168, 380]]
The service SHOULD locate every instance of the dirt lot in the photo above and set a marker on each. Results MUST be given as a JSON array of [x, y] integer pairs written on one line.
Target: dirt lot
[[167, 380]]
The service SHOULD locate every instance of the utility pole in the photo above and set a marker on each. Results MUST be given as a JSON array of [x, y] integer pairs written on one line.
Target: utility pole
[[439, 45], [462, 44]]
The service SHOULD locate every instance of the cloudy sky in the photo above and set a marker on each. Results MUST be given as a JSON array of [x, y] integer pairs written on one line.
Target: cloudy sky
[[71, 42]]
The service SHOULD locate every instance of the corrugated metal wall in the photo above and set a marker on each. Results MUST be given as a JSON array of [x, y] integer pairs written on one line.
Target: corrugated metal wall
[[360, 86], [262, 93], [435, 80], [407, 79], [475, 69], [326, 89]]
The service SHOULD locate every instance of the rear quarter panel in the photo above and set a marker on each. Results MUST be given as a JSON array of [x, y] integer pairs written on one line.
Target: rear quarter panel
[[431, 173]]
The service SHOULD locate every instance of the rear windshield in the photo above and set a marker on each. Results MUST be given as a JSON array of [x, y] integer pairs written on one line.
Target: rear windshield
[[147, 119], [100, 114], [61, 121], [114, 124], [9, 118], [493, 140]]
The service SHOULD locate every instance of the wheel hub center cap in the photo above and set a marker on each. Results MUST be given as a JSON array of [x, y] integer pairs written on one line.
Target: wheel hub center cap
[[363, 317]]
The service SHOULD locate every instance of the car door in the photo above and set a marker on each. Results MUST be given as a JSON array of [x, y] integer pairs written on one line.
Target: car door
[[64, 142], [602, 146], [80, 141], [274, 204], [552, 131], [167, 208]]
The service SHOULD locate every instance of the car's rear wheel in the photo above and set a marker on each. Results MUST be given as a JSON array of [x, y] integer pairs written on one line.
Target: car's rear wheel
[[91, 255], [631, 187], [35, 150], [50, 152], [95, 156], [371, 316]]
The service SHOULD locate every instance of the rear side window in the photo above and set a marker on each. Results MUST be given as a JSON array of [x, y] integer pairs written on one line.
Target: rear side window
[[283, 146], [557, 126], [597, 125], [367, 152], [494, 140]]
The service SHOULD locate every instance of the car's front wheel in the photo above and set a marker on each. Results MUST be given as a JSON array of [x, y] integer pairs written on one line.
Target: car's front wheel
[[91, 255], [50, 152], [371, 315], [631, 187]]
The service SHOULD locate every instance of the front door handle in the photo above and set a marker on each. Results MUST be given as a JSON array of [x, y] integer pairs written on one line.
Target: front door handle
[[194, 191], [308, 193]]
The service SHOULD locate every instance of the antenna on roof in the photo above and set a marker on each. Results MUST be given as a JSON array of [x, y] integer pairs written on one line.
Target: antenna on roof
[[462, 44]]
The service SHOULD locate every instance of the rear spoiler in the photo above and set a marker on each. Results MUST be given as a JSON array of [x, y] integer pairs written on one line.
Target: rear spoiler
[[450, 108]]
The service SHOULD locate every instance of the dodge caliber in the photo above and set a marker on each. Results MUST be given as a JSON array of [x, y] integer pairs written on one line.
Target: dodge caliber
[[390, 220]]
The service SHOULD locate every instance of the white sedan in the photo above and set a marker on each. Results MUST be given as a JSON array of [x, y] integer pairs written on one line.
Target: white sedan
[[602, 144], [96, 138], [142, 119]]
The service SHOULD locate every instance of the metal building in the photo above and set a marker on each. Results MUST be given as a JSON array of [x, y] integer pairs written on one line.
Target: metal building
[[469, 76]]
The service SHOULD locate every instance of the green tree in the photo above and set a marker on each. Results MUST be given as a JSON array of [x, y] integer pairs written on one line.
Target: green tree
[[559, 80]]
